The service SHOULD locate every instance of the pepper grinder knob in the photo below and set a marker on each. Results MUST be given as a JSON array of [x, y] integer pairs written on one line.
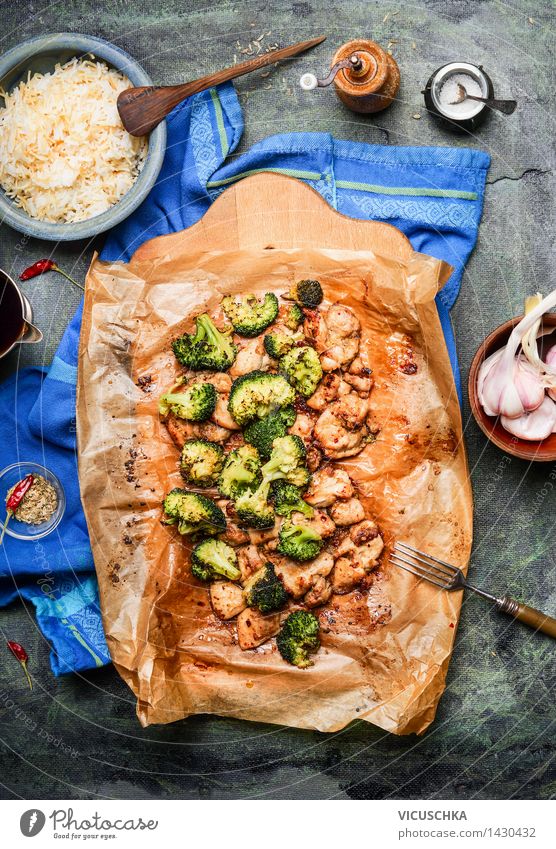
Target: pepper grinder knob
[[308, 82]]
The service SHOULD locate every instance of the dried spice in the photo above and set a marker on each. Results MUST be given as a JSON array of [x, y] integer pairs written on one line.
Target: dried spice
[[144, 383], [19, 652], [14, 499], [39, 503], [44, 265]]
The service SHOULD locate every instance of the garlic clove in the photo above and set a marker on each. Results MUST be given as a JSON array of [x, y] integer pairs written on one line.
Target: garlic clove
[[550, 360], [484, 371], [551, 356], [529, 384], [535, 425]]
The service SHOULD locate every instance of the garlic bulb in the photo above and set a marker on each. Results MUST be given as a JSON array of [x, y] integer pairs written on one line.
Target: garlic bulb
[[509, 385]]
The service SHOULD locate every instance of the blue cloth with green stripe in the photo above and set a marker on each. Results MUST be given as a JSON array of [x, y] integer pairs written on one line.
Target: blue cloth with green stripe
[[433, 194]]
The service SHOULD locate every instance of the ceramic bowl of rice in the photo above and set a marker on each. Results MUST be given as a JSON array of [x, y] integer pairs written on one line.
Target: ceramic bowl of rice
[[68, 168]]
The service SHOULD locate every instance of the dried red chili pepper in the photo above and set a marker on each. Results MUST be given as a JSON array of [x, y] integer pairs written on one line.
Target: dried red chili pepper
[[15, 500], [37, 268], [43, 265], [21, 655]]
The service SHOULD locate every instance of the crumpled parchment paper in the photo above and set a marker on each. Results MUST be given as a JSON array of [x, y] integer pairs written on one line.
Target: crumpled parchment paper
[[384, 655]]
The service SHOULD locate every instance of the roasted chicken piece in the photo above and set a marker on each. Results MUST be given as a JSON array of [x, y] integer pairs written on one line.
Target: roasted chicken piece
[[319, 593], [314, 458], [335, 335], [359, 376], [347, 574], [227, 599], [348, 512], [359, 555], [341, 430], [364, 532], [368, 553], [327, 485], [325, 393], [303, 426], [181, 430], [253, 628], [233, 535], [221, 415], [260, 537], [299, 578], [248, 561], [251, 357]]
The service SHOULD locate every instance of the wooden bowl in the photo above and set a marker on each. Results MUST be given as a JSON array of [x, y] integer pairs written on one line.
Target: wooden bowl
[[544, 451]]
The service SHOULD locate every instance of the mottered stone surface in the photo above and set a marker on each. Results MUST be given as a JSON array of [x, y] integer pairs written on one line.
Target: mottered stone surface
[[494, 733]]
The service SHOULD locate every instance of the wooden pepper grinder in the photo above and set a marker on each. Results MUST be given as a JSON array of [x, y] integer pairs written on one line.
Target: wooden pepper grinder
[[365, 76]]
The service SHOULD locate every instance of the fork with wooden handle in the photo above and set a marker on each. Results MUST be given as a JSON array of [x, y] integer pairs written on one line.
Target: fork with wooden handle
[[450, 578], [143, 107]]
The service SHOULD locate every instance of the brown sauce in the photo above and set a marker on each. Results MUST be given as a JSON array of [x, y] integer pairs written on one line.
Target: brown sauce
[[11, 317]]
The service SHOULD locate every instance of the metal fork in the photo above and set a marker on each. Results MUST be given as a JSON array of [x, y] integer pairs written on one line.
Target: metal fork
[[450, 578]]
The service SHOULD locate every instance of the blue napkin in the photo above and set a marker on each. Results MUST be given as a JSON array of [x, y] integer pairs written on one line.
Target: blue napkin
[[433, 194]]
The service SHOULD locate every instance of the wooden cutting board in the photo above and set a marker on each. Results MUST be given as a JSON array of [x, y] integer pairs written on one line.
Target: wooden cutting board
[[272, 211], [414, 481]]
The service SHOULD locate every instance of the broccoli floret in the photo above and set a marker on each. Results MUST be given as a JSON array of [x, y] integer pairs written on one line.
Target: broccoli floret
[[262, 432], [287, 461], [287, 499], [308, 293], [201, 461], [208, 349], [250, 316], [255, 395], [241, 472], [299, 542], [265, 590], [303, 369], [193, 513], [253, 508], [195, 404], [299, 638], [213, 559], [277, 344], [293, 317]]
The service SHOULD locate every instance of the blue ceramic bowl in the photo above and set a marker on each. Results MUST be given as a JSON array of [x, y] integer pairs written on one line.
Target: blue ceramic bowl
[[41, 55]]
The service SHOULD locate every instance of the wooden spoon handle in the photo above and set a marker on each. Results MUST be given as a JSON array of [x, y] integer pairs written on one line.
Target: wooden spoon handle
[[528, 615], [143, 107]]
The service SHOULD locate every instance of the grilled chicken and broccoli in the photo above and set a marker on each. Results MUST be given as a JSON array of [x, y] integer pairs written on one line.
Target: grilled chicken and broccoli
[[196, 404], [207, 348], [271, 395]]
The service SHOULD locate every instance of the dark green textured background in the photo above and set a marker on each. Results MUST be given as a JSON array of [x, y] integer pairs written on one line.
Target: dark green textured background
[[494, 732]]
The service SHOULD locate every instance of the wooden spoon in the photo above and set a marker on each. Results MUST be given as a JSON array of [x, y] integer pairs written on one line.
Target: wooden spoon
[[143, 107]]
